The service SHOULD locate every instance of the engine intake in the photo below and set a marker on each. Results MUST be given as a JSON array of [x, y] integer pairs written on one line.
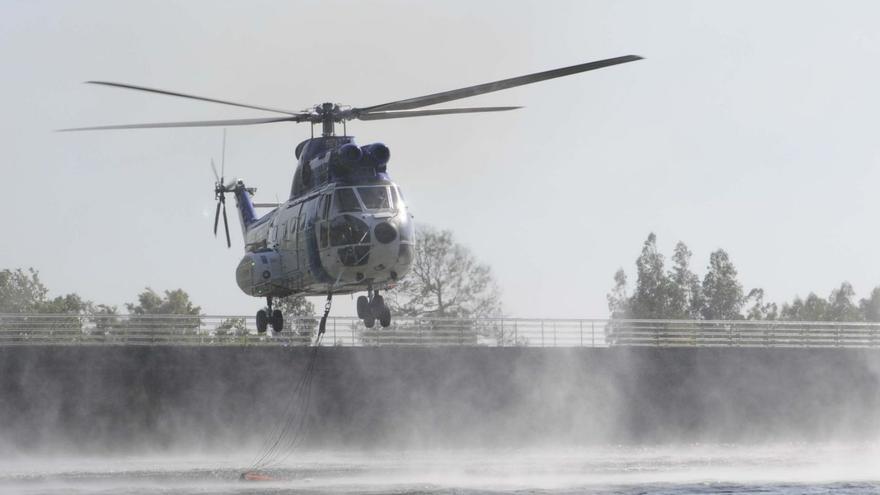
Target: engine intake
[[376, 155]]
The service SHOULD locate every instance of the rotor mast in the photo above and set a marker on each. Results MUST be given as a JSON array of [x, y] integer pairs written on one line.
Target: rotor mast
[[328, 116]]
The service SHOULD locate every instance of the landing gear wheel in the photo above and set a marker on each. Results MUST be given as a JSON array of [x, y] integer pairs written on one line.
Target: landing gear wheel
[[277, 321], [262, 321], [376, 305], [385, 317], [369, 321], [363, 307]]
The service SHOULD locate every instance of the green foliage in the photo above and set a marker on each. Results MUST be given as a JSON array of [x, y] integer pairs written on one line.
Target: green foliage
[[813, 308], [618, 299], [651, 297], [840, 306], [445, 280], [298, 315], [685, 292], [175, 302], [870, 307], [722, 292], [759, 310], [231, 326], [20, 291], [294, 306], [23, 292], [678, 293]]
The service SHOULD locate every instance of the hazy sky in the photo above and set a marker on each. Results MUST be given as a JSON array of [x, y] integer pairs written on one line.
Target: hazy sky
[[750, 126]]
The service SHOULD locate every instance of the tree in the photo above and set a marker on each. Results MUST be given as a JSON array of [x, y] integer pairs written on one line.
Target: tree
[[651, 297], [722, 292], [298, 314], [294, 306], [71, 304], [618, 299], [870, 307], [20, 291], [231, 326], [759, 310], [685, 298], [23, 292], [841, 306], [813, 308], [175, 302], [445, 280]]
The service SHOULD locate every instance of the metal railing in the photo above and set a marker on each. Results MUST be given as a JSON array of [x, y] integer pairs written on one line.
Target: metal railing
[[742, 333], [40, 329]]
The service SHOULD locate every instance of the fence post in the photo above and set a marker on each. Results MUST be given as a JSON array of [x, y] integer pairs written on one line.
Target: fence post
[[515, 334], [542, 333], [593, 331], [581, 328], [502, 332]]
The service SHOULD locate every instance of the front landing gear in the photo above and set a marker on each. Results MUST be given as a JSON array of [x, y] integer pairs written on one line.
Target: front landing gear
[[371, 308], [270, 317]]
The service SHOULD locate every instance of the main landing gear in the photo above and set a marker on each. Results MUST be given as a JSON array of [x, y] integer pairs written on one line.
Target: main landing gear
[[372, 307], [270, 317]]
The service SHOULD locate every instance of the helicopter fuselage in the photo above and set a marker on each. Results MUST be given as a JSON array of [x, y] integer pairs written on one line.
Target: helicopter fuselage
[[345, 227]]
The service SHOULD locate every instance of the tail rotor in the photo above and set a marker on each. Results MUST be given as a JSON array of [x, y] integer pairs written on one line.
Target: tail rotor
[[220, 191]]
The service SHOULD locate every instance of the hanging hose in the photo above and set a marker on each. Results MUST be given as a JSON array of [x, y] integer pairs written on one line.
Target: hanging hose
[[288, 433]]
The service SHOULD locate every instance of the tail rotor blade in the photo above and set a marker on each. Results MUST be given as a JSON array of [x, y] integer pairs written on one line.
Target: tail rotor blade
[[216, 218], [226, 226], [215, 171]]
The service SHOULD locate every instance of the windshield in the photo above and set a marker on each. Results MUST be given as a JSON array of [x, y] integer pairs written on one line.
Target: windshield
[[346, 201], [375, 198]]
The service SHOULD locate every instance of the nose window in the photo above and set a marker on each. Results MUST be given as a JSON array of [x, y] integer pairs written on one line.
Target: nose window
[[346, 229], [375, 198], [346, 201]]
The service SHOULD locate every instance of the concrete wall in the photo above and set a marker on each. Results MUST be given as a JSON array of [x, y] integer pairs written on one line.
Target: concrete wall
[[136, 398]]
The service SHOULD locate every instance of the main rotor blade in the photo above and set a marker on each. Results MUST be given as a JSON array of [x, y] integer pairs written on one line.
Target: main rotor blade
[[422, 113], [192, 97], [198, 123], [456, 94], [226, 226]]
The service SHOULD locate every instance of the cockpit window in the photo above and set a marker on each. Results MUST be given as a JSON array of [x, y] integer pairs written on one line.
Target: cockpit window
[[375, 198], [395, 201], [346, 201]]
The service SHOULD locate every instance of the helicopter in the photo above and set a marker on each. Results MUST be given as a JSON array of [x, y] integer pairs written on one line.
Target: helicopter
[[345, 227]]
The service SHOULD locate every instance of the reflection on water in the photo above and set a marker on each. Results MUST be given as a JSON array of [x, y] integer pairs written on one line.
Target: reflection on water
[[793, 468]]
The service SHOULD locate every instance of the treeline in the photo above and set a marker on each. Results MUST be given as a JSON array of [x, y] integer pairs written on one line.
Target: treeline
[[22, 291], [679, 293]]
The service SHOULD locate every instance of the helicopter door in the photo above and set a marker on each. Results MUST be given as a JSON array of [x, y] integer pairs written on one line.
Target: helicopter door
[[296, 223], [323, 224]]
